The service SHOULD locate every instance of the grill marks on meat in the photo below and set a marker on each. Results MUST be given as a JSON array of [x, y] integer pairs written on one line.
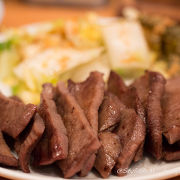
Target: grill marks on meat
[[131, 133], [82, 140], [108, 153], [6, 156], [109, 112], [29, 142], [154, 114], [54, 144], [89, 95], [171, 111], [15, 115]]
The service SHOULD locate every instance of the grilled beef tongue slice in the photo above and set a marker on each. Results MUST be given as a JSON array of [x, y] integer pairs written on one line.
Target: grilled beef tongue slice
[[109, 112], [54, 143], [171, 152], [150, 89], [15, 115], [171, 110], [6, 157], [28, 140], [82, 140], [108, 153], [89, 95], [131, 100], [116, 84], [142, 87], [154, 114], [131, 132]]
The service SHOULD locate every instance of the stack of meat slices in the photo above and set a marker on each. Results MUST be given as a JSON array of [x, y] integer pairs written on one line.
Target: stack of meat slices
[[87, 124]]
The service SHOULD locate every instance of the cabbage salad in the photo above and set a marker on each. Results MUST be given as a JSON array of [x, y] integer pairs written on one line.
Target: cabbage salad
[[59, 50]]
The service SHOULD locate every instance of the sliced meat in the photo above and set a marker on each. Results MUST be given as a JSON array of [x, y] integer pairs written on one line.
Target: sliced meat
[[142, 86], [6, 157], [139, 153], [82, 139], [16, 98], [88, 165], [171, 152], [30, 142], [171, 155], [54, 143], [131, 100], [108, 153], [131, 133], [154, 114], [15, 115], [116, 85], [89, 95], [109, 112], [150, 90], [171, 110]]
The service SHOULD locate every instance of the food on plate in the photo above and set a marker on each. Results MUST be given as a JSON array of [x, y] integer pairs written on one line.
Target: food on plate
[[171, 107], [6, 156], [109, 112], [54, 143], [162, 34], [47, 52], [14, 122], [107, 153], [28, 141], [83, 141], [84, 92], [89, 124]]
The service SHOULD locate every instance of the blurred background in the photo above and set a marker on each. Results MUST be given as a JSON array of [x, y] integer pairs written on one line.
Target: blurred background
[[19, 12]]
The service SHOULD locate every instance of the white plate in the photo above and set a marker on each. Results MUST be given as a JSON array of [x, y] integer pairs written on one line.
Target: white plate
[[147, 169]]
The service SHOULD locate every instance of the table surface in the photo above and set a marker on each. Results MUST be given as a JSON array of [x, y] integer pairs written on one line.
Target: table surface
[[18, 13]]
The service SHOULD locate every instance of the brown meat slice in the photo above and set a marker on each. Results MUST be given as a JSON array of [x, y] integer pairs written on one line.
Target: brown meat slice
[[108, 153], [150, 90], [154, 114], [116, 84], [6, 157], [29, 142], [171, 152], [89, 95], [15, 115], [54, 143], [82, 140], [88, 165], [129, 97], [131, 100], [109, 112], [171, 110], [142, 87], [132, 134]]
